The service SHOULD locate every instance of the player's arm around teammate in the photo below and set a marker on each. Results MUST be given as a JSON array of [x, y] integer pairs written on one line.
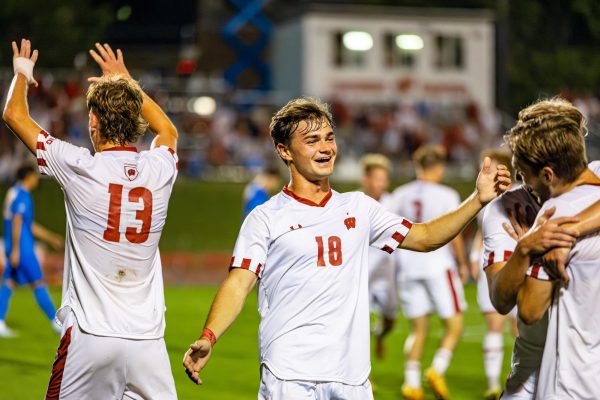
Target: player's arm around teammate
[[225, 308], [158, 122], [439, 231]]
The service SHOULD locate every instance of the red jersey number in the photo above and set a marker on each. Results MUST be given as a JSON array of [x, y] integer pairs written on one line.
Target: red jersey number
[[418, 210], [111, 233], [334, 245]]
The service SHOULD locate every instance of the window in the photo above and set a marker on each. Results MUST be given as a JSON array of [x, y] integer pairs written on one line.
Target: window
[[352, 48], [402, 50], [449, 52]]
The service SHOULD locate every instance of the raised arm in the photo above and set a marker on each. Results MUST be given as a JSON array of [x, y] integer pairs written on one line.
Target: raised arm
[[159, 123], [434, 234], [42, 233], [225, 308], [16, 112]]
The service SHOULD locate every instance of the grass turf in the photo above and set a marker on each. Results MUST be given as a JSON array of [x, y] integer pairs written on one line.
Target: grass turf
[[232, 373]]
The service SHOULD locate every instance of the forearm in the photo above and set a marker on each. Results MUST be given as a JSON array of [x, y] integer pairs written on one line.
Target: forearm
[[16, 112], [533, 299], [16, 234], [229, 301], [41, 233], [438, 232], [159, 123], [505, 283], [589, 220]]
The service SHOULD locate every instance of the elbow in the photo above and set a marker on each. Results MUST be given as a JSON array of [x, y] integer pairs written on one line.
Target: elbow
[[501, 305], [11, 116]]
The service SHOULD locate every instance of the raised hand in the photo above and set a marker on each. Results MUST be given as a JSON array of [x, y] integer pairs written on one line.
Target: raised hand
[[24, 59], [491, 183], [196, 358], [108, 61]]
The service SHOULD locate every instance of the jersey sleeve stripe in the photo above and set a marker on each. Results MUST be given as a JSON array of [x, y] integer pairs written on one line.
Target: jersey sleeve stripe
[[59, 366], [407, 224], [507, 255], [44, 133], [387, 249], [246, 264], [40, 146], [41, 162], [535, 271], [490, 260]]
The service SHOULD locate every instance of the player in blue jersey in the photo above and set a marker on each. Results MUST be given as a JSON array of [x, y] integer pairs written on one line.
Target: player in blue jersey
[[259, 189], [22, 265]]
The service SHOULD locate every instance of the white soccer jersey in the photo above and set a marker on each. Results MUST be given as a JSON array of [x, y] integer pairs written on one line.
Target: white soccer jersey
[[312, 293], [422, 201], [498, 246], [116, 202], [571, 362]]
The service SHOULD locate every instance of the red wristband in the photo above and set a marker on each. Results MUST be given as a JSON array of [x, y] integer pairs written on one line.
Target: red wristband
[[210, 335]]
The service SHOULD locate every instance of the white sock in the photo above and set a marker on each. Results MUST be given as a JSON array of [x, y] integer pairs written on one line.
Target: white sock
[[441, 360], [2, 324], [412, 373], [493, 353]]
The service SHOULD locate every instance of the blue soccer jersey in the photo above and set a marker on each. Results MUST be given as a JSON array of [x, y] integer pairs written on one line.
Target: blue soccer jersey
[[254, 195], [18, 201]]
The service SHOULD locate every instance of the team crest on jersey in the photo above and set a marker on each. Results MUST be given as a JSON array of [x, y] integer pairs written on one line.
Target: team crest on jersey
[[350, 223], [131, 171]]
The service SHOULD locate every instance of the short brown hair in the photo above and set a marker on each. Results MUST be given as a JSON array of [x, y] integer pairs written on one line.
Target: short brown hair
[[117, 103], [501, 157], [285, 122], [371, 161], [429, 155], [551, 133]]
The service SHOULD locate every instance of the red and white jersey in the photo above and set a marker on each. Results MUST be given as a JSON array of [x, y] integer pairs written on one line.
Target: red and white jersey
[[116, 202], [498, 246], [422, 201], [571, 362], [311, 260]]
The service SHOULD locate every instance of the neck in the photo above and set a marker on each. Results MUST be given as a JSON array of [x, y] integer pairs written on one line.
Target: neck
[[107, 145], [314, 191], [24, 185], [429, 177], [585, 178]]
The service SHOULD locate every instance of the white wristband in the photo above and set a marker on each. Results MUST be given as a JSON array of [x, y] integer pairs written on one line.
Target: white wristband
[[24, 66]]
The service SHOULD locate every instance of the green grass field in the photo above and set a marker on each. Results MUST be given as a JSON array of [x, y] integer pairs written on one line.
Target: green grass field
[[232, 373]]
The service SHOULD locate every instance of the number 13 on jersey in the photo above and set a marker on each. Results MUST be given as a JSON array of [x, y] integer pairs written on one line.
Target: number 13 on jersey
[[111, 233]]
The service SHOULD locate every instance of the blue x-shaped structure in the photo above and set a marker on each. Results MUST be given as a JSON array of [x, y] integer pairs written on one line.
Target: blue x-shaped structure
[[249, 11]]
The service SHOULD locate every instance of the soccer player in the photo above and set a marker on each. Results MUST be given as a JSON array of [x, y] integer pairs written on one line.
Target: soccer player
[[548, 143], [493, 341], [307, 249], [258, 190], [430, 282], [382, 273], [22, 265], [113, 307]]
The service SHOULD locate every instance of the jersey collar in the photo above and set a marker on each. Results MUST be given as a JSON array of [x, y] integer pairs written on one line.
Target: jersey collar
[[308, 202], [122, 148]]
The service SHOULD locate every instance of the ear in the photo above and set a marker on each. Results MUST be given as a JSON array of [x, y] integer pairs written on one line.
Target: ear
[[284, 152], [547, 174]]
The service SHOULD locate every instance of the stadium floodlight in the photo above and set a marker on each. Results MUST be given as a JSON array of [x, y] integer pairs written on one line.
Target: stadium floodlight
[[409, 42], [357, 41], [203, 105]]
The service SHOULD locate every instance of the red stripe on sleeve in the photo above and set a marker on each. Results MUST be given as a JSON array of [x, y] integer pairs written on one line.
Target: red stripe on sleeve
[[171, 151], [58, 367], [232, 260], [453, 290], [398, 237], [535, 270], [490, 259], [507, 254], [258, 269], [40, 146], [41, 162], [388, 249], [245, 263], [407, 223], [44, 133]]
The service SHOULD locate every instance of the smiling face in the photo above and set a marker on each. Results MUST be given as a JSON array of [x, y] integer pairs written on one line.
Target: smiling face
[[310, 153]]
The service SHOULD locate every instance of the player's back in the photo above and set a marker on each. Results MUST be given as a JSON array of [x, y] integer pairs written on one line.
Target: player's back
[[116, 205], [421, 201], [571, 361]]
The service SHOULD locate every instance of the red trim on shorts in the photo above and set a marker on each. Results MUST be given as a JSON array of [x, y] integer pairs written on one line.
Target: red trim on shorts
[[121, 148], [535, 271], [454, 294], [490, 259], [59, 366], [40, 146], [44, 133], [302, 200], [507, 254], [41, 162]]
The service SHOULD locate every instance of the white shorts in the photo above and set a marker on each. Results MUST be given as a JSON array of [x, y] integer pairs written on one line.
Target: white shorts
[[442, 293], [483, 297], [521, 387], [273, 388], [101, 367], [382, 285]]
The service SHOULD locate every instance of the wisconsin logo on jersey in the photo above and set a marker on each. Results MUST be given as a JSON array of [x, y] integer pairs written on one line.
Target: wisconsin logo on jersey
[[350, 223], [131, 171]]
